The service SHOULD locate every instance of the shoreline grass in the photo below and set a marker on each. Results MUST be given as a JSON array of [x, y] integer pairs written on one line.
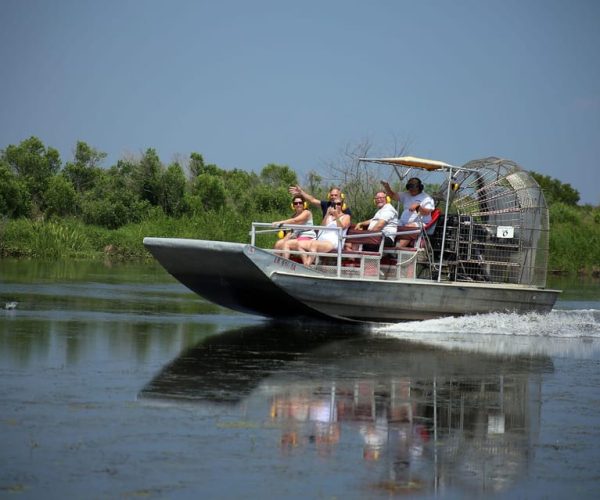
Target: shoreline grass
[[574, 241]]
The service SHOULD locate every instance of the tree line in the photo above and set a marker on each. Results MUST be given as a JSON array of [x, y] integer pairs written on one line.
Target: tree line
[[35, 184], [81, 208]]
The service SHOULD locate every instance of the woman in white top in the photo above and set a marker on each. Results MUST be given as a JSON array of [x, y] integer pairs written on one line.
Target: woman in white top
[[328, 239], [303, 216]]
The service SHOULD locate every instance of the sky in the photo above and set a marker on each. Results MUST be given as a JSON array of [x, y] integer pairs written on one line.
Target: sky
[[252, 82]]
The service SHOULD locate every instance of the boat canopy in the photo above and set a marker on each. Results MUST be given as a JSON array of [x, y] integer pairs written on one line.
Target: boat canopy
[[496, 223], [412, 161]]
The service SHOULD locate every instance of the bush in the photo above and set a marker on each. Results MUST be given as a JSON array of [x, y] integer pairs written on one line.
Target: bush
[[61, 198], [115, 210], [172, 190], [269, 199], [208, 193], [561, 213], [14, 197]]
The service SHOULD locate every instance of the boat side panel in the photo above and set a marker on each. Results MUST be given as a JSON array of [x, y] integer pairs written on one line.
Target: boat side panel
[[222, 273], [410, 300]]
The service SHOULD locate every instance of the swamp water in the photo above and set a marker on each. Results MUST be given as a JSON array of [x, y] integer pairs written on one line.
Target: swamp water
[[118, 382]]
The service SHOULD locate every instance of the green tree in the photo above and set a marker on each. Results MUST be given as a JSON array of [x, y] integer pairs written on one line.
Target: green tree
[[278, 176], [556, 191], [314, 183], [196, 164], [14, 196], [208, 193], [198, 167], [172, 190], [35, 164], [240, 189], [61, 197], [268, 199], [82, 172], [87, 155], [112, 203], [147, 177]]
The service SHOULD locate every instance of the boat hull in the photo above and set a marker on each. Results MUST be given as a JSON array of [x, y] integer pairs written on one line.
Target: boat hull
[[409, 300], [248, 279], [222, 273]]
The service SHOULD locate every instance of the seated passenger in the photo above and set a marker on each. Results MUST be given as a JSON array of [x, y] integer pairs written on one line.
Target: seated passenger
[[385, 219], [417, 204], [328, 239], [302, 216]]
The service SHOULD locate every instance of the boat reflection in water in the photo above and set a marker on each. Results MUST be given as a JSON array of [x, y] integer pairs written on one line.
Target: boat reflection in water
[[419, 418]]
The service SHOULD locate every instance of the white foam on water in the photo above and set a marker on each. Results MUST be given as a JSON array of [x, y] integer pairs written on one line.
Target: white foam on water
[[561, 332], [559, 323]]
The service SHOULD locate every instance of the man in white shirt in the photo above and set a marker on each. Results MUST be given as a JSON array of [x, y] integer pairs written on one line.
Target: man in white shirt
[[417, 204], [385, 219]]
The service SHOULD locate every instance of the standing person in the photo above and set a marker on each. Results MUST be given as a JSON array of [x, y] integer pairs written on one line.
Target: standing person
[[385, 220], [335, 194], [417, 204], [302, 216], [328, 239]]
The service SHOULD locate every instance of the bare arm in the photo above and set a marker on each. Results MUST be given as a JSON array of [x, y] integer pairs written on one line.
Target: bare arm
[[299, 219], [343, 221], [415, 207], [378, 225], [389, 191], [297, 190], [360, 225]]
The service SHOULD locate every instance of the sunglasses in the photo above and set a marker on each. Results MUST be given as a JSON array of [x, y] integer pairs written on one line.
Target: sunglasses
[[298, 203], [337, 203]]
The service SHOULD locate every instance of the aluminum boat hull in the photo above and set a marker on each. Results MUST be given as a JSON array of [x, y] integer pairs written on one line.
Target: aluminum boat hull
[[247, 279]]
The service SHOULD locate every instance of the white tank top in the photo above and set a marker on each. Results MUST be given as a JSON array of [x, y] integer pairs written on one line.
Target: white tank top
[[331, 236], [306, 233]]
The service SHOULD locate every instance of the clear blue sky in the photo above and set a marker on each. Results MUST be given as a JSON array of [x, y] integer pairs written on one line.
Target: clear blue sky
[[247, 83]]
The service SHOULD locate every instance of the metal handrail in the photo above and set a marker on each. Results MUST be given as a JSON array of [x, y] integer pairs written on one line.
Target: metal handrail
[[304, 227]]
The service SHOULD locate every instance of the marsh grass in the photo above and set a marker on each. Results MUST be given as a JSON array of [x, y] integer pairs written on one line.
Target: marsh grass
[[574, 236], [27, 238], [71, 238], [574, 239]]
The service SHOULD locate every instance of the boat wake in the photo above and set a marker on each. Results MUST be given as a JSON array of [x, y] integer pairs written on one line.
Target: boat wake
[[562, 332]]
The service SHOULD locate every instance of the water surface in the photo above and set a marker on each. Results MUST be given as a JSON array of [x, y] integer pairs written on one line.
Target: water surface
[[118, 382]]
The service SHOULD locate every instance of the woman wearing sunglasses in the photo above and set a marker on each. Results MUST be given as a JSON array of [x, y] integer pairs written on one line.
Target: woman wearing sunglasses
[[329, 239], [292, 239]]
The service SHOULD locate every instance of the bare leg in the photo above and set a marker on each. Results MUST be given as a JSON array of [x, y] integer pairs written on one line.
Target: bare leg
[[280, 244], [304, 246], [407, 240], [316, 246], [292, 245]]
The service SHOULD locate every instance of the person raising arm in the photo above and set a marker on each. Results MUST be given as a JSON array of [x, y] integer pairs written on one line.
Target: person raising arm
[[335, 194], [417, 204]]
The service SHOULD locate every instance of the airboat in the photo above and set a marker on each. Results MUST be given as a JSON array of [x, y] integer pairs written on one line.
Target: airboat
[[485, 251]]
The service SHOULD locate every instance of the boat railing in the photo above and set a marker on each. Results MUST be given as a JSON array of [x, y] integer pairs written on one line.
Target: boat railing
[[265, 228], [349, 256]]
